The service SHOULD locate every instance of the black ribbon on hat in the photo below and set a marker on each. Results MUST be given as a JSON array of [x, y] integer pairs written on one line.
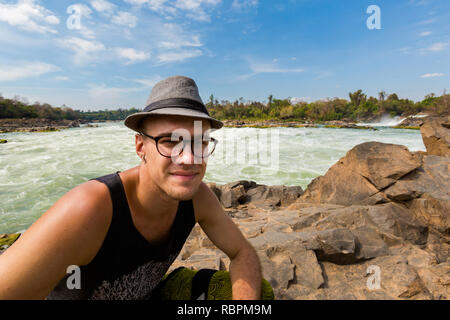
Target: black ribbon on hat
[[177, 102]]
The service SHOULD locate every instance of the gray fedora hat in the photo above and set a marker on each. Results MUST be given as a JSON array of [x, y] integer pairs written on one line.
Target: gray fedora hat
[[176, 95]]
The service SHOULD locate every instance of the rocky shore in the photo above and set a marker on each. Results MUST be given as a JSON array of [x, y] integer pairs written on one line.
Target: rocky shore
[[375, 226], [37, 125], [43, 125]]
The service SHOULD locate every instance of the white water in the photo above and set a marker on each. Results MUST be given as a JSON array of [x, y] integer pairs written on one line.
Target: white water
[[385, 121], [36, 169]]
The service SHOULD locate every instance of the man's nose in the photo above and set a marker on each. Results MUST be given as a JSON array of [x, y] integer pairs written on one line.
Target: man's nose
[[187, 155]]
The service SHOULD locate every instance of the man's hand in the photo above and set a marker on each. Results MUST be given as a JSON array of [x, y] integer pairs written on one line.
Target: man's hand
[[245, 270]]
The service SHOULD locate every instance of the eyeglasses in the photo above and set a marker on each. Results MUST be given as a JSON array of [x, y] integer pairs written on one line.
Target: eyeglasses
[[172, 147]]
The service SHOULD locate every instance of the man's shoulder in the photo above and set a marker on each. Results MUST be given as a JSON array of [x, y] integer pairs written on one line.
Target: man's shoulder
[[89, 199], [95, 193], [204, 201]]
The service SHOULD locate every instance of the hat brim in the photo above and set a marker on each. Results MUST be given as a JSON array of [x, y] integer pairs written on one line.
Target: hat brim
[[132, 121]]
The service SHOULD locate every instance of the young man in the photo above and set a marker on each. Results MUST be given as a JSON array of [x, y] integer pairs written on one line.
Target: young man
[[124, 230]]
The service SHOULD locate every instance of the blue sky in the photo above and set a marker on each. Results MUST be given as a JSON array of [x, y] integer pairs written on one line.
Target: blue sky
[[309, 49]]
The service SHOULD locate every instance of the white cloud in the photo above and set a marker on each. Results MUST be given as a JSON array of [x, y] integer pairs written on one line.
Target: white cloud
[[193, 9], [103, 6], [295, 100], [271, 67], [424, 34], [28, 15], [137, 2], [62, 78], [132, 55], [435, 47], [27, 70], [181, 42], [148, 82], [101, 94], [125, 19], [244, 4], [432, 75], [439, 46], [85, 50], [178, 55]]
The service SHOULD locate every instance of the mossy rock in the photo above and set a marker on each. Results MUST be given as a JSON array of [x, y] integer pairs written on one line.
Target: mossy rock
[[178, 286], [3, 141], [49, 130], [407, 127], [8, 239]]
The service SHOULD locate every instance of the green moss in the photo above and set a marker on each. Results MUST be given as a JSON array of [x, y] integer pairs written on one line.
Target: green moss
[[8, 239], [179, 286], [407, 127], [349, 127], [49, 130], [3, 141]]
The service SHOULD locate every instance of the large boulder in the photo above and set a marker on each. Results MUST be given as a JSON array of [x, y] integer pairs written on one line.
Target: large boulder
[[359, 177], [436, 135]]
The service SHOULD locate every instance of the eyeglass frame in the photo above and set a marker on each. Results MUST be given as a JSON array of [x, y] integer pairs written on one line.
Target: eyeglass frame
[[157, 138]]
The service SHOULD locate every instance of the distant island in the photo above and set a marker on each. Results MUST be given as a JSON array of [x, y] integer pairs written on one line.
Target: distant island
[[18, 115]]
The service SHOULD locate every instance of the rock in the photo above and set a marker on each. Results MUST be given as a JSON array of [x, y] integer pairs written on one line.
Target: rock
[[415, 256], [278, 271], [439, 245], [308, 272], [7, 239], [237, 193], [337, 246], [437, 280], [74, 124], [201, 259], [232, 194], [358, 177], [368, 244], [432, 177], [436, 135], [394, 220], [3, 141], [434, 212], [398, 280], [411, 122]]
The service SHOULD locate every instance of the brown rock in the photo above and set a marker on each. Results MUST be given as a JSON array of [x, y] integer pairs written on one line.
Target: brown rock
[[436, 135], [437, 280], [358, 177]]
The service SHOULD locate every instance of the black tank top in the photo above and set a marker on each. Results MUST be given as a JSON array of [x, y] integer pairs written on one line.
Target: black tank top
[[127, 266]]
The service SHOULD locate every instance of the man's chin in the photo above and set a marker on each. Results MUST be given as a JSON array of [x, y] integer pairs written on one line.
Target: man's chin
[[182, 193]]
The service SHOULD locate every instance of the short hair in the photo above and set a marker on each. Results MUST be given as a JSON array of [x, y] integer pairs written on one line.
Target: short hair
[[141, 124]]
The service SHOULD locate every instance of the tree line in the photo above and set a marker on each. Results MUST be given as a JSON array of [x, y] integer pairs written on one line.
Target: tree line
[[359, 107]]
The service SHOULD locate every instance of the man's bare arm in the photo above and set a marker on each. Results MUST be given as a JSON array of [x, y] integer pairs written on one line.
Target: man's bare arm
[[69, 233], [245, 270]]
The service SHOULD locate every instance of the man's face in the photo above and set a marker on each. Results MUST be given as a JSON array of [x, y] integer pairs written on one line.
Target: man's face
[[179, 177]]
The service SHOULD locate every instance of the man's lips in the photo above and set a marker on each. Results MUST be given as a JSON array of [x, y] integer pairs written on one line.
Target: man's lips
[[184, 175]]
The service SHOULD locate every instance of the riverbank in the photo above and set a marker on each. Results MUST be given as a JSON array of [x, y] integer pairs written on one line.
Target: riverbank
[[37, 125], [47, 125]]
